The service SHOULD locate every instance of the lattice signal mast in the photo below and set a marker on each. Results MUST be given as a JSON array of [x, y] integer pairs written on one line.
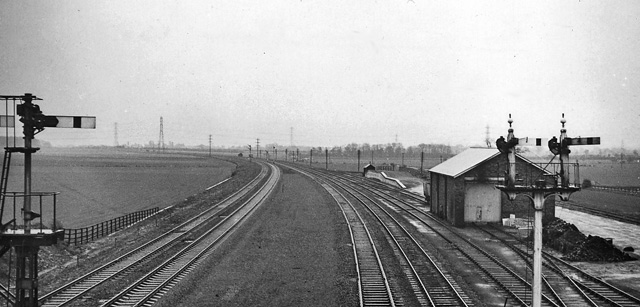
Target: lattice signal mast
[[25, 239], [550, 183]]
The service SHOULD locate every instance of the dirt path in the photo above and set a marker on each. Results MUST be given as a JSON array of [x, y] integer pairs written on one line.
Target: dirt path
[[293, 251]]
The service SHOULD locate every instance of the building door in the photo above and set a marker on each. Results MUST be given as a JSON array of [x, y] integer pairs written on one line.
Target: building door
[[481, 203]]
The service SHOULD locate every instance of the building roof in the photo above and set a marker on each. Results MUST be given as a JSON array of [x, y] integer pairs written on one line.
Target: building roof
[[464, 161]]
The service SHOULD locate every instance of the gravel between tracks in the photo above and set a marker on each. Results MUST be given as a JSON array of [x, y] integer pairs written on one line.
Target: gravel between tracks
[[294, 250]]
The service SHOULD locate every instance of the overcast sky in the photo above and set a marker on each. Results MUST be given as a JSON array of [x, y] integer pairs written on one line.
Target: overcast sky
[[336, 71]]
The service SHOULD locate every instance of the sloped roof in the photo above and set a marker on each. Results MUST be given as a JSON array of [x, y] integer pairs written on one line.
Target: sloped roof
[[464, 161]]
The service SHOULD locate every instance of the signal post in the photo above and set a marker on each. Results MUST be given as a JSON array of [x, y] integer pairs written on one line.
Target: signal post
[[540, 189], [25, 239]]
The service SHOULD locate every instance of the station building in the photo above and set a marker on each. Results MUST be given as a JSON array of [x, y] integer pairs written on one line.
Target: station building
[[463, 188]]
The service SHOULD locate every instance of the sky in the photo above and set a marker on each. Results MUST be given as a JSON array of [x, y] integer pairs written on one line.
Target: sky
[[326, 73]]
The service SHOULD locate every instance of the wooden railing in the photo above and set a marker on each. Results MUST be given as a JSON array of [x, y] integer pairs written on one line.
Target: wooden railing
[[90, 233]]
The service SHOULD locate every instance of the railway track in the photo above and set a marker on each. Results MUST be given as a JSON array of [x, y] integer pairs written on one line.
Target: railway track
[[373, 284], [431, 285], [567, 285], [502, 275], [591, 290], [158, 247], [152, 286]]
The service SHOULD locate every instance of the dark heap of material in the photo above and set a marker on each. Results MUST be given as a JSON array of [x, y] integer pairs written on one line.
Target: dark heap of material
[[566, 238]]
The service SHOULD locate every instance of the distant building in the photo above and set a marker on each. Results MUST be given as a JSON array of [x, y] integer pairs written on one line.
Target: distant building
[[368, 167], [463, 188]]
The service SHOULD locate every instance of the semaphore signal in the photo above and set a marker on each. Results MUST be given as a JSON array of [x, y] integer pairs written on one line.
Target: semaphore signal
[[23, 238], [541, 189]]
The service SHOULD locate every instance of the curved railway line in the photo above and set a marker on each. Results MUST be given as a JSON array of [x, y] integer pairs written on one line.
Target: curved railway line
[[430, 284], [373, 285], [178, 240], [148, 289], [400, 212]]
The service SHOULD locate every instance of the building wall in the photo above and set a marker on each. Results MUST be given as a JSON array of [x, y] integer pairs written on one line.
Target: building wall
[[482, 203], [458, 195]]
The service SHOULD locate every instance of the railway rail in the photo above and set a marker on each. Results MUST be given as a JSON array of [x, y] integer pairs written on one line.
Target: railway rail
[[373, 284], [152, 286], [565, 285], [588, 290], [430, 283], [563, 292], [504, 277], [153, 249]]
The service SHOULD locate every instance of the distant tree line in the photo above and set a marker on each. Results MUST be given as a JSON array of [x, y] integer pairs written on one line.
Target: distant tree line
[[388, 150]]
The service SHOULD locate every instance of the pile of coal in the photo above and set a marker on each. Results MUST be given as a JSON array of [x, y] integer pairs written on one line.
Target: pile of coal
[[562, 236], [595, 248], [567, 239]]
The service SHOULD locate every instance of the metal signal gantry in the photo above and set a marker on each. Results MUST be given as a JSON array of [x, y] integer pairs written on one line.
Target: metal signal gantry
[[25, 240], [540, 189]]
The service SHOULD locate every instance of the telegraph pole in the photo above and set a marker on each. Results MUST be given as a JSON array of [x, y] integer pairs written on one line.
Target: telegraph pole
[[258, 147], [421, 161], [209, 145], [310, 156], [326, 159], [161, 137], [358, 160], [115, 134]]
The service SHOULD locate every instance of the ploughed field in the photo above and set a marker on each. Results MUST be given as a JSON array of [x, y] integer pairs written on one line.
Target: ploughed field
[[98, 184]]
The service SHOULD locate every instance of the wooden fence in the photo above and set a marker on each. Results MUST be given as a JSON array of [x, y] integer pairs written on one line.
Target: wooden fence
[[87, 234]]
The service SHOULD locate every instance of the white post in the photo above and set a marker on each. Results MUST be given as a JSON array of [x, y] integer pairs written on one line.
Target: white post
[[538, 202]]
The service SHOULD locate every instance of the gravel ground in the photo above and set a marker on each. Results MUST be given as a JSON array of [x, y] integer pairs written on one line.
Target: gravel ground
[[294, 250]]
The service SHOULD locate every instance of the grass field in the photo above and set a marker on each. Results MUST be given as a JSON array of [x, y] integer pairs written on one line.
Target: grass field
[[99, 184], [600, 172], [350, 164], [610, 173]]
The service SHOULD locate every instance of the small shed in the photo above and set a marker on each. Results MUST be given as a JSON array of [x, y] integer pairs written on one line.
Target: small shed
[[368, 167], [463, 188]]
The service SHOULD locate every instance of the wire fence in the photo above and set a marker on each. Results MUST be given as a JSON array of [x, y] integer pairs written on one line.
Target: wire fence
[[635, 191], [90, 233]]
